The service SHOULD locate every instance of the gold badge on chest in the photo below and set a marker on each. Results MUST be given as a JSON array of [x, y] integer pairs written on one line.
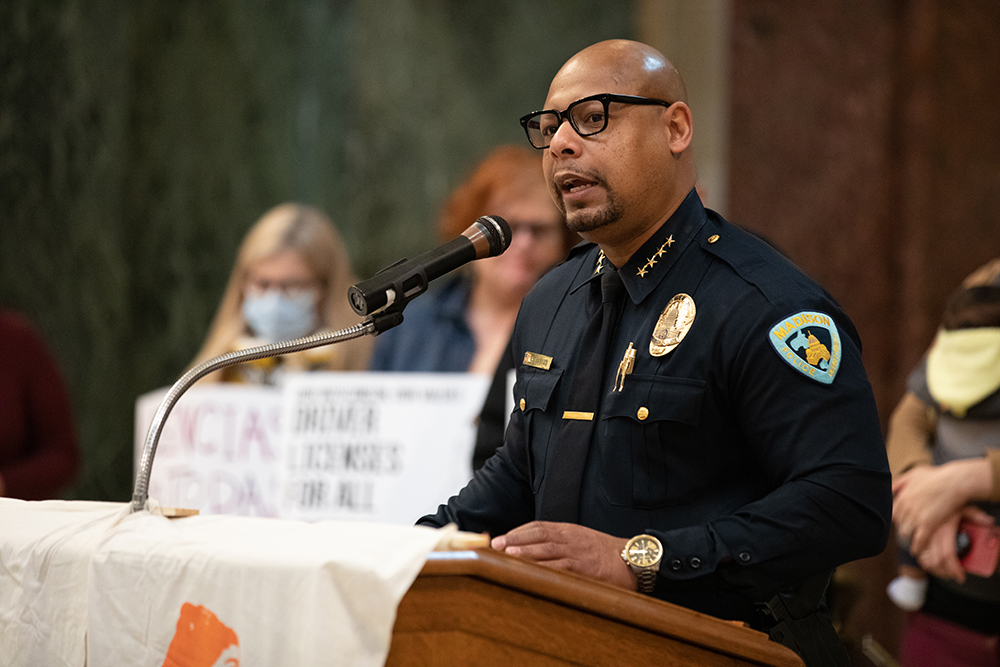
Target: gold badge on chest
[[672, 325]]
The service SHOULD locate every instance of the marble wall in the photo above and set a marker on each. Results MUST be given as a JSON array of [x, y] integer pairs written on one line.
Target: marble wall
[[138, 142]]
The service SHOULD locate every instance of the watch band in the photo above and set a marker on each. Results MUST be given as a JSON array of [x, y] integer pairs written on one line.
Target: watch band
[[647, 581]]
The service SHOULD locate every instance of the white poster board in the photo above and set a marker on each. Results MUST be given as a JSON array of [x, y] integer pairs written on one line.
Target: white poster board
[[220, 449], [376, 447], [379, 447]]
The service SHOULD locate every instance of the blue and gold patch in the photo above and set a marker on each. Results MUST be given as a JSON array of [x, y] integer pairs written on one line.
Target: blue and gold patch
[[809, 343]]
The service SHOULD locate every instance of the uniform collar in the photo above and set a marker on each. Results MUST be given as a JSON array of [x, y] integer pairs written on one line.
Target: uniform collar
[[650, 263]]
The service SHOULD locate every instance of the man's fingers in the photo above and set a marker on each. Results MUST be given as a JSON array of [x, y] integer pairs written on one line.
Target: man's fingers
[[539, 551], [529, 533], [536, 532]]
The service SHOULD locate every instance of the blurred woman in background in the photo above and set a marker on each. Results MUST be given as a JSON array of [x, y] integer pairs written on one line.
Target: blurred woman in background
[[466, 323], [290, 280]]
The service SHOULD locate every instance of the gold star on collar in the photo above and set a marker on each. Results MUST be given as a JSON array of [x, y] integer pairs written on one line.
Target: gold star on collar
[[662, 251], [600, 263], [651, 262]]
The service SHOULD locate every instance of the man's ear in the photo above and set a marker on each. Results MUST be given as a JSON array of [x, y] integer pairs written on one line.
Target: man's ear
[[679, 123]]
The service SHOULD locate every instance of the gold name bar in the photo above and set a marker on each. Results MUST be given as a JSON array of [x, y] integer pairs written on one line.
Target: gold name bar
[[536, 360], [582, 416]]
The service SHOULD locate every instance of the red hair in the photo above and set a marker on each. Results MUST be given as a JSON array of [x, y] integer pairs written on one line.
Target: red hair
[[503, 166]]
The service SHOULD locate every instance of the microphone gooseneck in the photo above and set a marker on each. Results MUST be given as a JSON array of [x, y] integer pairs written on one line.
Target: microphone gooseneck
[[140, 492], [398, 284]]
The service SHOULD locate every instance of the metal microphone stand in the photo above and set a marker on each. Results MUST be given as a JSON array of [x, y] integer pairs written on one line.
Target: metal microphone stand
[[373, 325]]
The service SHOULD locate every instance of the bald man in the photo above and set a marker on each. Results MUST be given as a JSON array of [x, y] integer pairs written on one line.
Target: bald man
[[735, 455]]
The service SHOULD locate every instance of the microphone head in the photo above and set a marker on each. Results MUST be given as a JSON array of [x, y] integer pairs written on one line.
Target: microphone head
[[497, 231]]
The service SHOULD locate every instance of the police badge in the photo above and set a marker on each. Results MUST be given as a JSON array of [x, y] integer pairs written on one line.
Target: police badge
[[672, 325], [809, 343]]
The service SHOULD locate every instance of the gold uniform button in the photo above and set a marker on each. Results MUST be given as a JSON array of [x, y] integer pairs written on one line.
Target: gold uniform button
[[713, 238], [642, 414], [522, 404]]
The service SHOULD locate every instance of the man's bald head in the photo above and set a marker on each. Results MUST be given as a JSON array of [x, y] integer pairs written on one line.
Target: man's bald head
[[628, 67], [619, 182]]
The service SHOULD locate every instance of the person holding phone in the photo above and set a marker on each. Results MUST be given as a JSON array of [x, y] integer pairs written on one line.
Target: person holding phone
[[944, 451]]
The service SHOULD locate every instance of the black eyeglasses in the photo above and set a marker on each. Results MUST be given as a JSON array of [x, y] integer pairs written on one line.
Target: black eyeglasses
[[587, 116]]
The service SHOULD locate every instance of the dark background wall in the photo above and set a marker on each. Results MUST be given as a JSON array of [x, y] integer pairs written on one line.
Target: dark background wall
[[866, 144]]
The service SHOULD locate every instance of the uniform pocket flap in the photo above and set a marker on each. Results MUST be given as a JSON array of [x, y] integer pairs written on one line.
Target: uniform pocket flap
[[653, 398], [535, 388]]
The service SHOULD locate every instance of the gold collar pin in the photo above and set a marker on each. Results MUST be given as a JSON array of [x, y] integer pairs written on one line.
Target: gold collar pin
[[651, 262], [600, 263]]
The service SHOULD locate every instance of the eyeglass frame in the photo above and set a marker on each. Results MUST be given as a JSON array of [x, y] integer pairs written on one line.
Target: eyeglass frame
[[604, 98]]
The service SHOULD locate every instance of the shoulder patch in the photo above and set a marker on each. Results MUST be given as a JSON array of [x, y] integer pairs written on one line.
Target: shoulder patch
[[809, 342]]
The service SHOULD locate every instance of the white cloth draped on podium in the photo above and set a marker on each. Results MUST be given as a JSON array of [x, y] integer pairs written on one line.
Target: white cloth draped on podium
[[85, 583]]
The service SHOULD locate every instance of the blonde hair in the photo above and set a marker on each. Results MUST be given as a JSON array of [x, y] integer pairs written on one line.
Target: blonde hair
[[310, 233]]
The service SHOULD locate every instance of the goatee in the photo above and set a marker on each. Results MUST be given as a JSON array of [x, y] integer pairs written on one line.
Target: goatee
[[586, 220]]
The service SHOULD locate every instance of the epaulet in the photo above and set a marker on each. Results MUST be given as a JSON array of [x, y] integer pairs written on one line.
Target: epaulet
[[754, 259]]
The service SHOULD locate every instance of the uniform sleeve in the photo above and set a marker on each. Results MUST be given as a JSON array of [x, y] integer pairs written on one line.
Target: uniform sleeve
[[821, 452], [50, 459]]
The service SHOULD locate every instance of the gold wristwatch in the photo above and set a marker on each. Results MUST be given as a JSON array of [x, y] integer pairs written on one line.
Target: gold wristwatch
[[643, 554]]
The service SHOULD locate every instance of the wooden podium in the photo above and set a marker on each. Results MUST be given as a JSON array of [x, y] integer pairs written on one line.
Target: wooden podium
[[485, 608]]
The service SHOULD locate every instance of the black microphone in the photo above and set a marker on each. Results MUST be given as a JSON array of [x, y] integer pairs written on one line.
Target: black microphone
[[488, 236]]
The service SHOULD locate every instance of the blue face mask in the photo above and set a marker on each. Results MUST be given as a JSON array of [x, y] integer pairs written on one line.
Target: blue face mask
[[273, 316]]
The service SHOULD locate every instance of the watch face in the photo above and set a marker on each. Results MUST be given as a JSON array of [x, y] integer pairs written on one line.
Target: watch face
[[644, 551]]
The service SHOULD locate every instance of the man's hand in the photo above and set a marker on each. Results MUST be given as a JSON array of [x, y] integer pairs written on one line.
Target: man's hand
[[567, 546], [927, 496]]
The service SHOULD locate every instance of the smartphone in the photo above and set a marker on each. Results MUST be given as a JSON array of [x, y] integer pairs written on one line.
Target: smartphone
[[978, 548]]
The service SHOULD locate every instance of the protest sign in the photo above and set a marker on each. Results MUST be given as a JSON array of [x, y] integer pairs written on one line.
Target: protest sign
[[219, 451], [381, 447], [378, 446]]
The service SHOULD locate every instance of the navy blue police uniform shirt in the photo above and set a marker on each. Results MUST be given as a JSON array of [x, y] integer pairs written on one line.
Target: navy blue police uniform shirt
[[752, 450]]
